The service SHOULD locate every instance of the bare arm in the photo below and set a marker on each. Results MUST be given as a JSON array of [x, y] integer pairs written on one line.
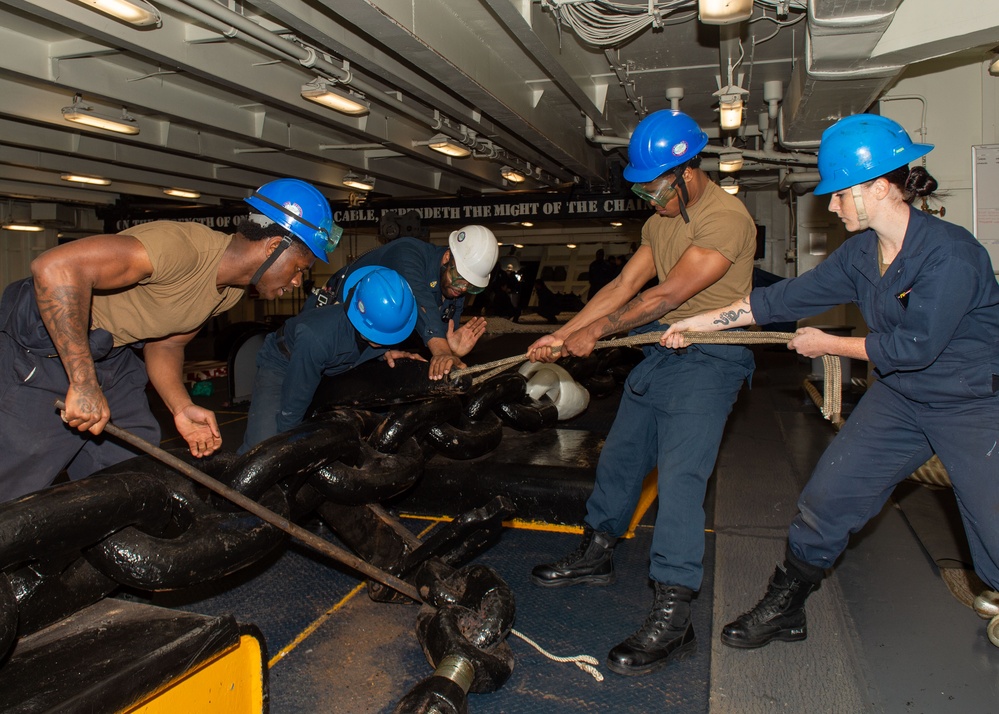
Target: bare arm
[[811, 342], [697, 269], [738, 314], [165, 367], [636, 272], [65, 278]]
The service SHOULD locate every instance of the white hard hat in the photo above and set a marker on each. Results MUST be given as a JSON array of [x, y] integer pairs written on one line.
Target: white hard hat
[[475, 252]]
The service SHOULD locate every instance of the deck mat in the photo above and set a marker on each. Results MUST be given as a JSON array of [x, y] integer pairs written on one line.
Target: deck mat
[[334, 650]]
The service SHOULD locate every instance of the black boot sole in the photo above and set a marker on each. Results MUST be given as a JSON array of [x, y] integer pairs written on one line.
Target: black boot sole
[[581, 580], [782, 636], [685, 652]]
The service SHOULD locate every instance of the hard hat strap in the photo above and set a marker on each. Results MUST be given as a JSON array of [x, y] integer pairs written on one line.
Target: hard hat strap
[[281, 248], [858, 202], [680, 184]]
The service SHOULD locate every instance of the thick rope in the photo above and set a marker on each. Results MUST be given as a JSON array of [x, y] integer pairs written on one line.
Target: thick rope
[[584, 662], [831, 405]]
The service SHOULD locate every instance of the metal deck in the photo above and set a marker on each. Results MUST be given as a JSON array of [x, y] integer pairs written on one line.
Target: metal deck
[[885, 633]]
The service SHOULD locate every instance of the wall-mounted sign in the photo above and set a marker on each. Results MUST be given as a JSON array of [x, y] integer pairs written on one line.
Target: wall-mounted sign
[[433, 212]]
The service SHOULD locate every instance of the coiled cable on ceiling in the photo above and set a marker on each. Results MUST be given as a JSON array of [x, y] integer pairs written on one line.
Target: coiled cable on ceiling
[[604, 23]]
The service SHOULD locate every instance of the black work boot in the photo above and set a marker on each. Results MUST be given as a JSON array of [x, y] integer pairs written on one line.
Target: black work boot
[[667, 635], [591, 563], [780, 615]]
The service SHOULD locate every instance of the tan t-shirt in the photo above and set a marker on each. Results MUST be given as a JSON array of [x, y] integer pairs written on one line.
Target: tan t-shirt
[[180, 294], [719, 222]]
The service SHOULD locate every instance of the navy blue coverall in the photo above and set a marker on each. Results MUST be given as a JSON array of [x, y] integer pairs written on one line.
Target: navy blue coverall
[[420, 264], [934, 342], [292, 361]]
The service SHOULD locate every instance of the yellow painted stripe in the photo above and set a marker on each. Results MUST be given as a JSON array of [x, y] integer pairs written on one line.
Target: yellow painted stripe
[[316, 624]]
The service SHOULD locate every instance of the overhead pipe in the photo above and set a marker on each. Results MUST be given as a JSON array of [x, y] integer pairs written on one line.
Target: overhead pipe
[[773, 92], [791, 178], [922, 119], [309, 58], [776, 157]]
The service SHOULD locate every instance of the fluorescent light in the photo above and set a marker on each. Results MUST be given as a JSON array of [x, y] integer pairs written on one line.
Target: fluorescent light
[[323, 92], [361, 183], [181, 193], [730, 162], [82, 114], [81, 178], [25, 227], [512, 175], [724, 12], [446, 145], [135, 12]]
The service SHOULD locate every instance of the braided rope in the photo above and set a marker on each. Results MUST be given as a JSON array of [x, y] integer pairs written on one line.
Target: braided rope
[[831, 404], [584, 662]]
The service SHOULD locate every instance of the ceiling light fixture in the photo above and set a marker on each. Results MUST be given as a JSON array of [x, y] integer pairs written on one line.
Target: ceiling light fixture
[[570, 246], [730, 106], [724, 12], [728, 163], [83, 114], [730, 185], [181, 193], [135, 12], [322, 91], [24, 227], [519, 245], [448, 146], [512, 175], [361, 183], [617, 224], [81, 178], [994, 67], [526, 224]]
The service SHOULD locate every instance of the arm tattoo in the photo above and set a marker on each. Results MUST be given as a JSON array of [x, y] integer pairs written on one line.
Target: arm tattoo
[[730, 316], [641, 310], [66, 314]]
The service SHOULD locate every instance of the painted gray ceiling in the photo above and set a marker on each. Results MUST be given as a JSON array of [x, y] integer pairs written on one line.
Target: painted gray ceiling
[[216, 89]]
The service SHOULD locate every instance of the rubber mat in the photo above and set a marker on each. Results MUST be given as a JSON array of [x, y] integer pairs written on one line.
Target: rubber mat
[[333, 650]]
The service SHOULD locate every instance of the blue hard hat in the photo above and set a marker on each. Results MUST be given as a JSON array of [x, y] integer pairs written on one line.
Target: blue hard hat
[[862, 147], [298, 207], [662, 141], [382, 307]]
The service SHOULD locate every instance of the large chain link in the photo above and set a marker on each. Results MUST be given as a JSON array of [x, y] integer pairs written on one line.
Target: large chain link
[[142, 525]]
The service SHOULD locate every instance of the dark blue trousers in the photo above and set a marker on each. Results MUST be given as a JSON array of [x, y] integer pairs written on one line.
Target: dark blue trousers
[[35, 444], [886, 438], [672, 415]]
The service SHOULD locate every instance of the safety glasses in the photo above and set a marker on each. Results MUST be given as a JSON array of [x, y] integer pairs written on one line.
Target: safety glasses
[[659, 191], [459, 283]]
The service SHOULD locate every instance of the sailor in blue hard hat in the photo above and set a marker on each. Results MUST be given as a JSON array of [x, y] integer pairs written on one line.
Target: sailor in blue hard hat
[[928, 294], [67, 332], [699, 247], [378, 311]]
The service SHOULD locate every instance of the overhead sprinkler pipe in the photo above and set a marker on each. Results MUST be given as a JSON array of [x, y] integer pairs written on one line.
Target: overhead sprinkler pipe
[[309, 58], [674, 95], [773, 93], [769, 157]]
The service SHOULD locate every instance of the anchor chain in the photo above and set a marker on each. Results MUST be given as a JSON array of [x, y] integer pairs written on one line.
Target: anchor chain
[[141, 525]]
